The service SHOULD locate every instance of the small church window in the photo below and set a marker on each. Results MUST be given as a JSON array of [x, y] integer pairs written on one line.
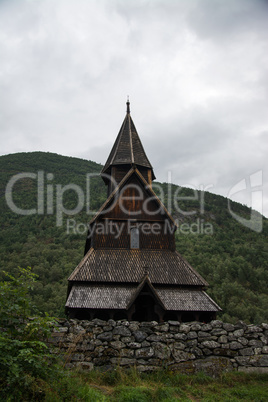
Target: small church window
[[134, 238]]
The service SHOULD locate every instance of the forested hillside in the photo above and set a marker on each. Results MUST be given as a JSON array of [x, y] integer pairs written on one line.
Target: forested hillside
[[39, 230]]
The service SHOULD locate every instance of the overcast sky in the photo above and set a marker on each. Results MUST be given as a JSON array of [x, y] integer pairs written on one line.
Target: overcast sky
[[195, 72]]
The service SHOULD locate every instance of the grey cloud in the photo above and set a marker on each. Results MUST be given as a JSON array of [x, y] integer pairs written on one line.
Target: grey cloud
[[224, 20], [196, 73]]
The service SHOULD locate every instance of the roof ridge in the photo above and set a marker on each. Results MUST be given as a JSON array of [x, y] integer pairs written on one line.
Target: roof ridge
[[130, 139]]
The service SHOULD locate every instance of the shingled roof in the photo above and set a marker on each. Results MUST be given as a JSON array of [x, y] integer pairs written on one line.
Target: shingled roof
[[104, 296], [162, 266], [127, 149]]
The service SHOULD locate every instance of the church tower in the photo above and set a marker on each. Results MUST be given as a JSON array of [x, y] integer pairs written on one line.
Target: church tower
[[131, 268], [126, 153]]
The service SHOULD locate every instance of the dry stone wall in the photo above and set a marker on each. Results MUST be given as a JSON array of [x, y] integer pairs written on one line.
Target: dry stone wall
[[213, 348]]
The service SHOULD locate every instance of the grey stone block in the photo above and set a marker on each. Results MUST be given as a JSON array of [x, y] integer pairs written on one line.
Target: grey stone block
[[105, 336], [122, 330], [144, 353], [139, 335], [210, 344]]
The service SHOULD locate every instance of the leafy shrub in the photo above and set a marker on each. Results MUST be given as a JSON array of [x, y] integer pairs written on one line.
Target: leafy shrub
[[24, 357]]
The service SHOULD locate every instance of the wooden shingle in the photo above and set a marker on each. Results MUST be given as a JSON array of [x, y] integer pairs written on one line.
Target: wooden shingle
[[128, 266]]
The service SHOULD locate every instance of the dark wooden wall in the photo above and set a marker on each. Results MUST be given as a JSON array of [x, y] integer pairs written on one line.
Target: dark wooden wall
[[116, 234]]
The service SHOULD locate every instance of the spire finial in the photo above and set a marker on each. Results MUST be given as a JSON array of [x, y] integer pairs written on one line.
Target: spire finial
[[128, 103]]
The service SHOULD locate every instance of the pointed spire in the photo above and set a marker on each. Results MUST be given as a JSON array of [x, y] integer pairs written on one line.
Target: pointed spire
[[128, 107], [127, 149]]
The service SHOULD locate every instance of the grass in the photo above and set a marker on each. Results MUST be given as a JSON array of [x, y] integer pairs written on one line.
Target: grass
[[163, 386], [130, 386]]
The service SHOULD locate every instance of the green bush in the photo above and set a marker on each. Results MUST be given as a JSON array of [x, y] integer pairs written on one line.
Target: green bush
[[24, 356]]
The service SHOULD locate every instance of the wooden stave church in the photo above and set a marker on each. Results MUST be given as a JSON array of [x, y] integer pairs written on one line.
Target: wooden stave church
[[128, 272]]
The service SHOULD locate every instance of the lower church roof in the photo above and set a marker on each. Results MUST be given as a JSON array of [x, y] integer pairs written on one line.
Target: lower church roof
[[118, 297]]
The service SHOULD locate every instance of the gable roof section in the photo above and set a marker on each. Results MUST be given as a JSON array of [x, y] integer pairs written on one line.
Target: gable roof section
[[115, 193], [127, 148], [135, 295], [164, 267]]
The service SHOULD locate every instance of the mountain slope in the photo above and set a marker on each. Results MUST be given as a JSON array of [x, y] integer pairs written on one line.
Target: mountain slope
[[58, 195]]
